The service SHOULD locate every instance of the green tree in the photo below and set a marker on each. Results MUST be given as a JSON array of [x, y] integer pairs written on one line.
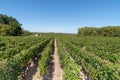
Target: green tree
[[9, 26], [15, 29], [109, 31], [4, 29]]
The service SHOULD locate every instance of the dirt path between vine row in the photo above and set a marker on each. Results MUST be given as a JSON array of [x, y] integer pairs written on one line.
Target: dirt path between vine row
[[57, 73], [33, 71], [36, 76]]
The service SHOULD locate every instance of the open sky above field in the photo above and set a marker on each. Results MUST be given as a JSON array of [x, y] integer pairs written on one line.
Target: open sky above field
[[62, 15]]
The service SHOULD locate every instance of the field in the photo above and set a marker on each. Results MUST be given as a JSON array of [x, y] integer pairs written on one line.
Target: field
[[68, 56]]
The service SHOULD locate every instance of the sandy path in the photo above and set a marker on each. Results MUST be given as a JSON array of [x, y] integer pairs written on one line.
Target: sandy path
[[57, 74], [36, 76]]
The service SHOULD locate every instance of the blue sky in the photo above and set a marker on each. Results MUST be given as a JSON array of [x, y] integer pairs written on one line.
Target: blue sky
[[62, 15]]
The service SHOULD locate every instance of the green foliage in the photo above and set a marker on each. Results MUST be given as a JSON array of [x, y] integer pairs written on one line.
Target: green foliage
[[4, 29], [109, 31], [98, 56], [70, 68], [25, 32], [4, 19], [15, 29], [12, 63], [9, 26], [45, 59]]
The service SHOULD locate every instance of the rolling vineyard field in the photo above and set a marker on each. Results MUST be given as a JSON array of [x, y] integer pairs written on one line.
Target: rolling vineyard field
[[81, 58]]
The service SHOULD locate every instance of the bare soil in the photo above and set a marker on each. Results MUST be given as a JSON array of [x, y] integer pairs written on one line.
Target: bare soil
[[57, 73], [33, 71]]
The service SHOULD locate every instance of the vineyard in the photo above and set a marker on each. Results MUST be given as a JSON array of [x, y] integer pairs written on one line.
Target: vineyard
[[80, 58]]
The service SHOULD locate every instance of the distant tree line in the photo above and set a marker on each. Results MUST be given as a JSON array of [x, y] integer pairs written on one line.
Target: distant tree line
[[9, 26], [108, 31]]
